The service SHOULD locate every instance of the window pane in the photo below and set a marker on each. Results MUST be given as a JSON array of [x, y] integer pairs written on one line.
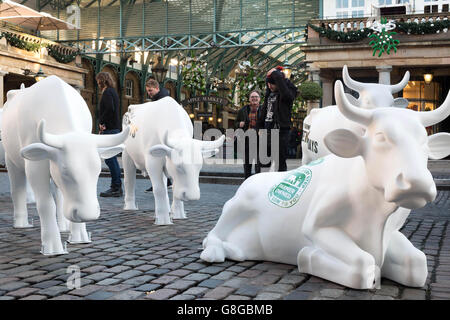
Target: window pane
[[445, 8], [345, 4]]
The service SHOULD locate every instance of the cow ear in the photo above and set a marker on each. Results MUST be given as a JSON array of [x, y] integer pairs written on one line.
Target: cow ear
[[343, 143], [38, 151], [400, 103], [106, 153], [160, 150], [209, 153], [439, 145]]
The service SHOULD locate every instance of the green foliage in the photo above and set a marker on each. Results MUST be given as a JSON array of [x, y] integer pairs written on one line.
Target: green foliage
[[427, 27], [310, 90], [383, 42], [423, 27], [19, 43], [60, 57], [350, 36], [249, 79], [193, 74]]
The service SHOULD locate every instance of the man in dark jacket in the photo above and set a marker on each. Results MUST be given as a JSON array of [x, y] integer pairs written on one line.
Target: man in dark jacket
[[276, 110], [155, 92], [246, 120]]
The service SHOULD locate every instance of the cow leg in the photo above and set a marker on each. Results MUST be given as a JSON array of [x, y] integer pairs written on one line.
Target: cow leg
[[234, 213], [177, 209], [404, 263], [159, 182], [38, 174], [18, 184], [129, 172], [78, 233], [63, 223], [337, 258], [30, 194]]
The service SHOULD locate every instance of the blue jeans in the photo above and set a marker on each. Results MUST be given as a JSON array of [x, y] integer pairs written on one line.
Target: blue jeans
[[113, 165]]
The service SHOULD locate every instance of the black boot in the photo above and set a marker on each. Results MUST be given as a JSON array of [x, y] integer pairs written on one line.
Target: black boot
[[112, 192]]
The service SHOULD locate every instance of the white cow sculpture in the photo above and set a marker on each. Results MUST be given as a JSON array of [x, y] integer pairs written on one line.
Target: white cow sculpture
[[49, 124], [162, 146], [338, 218], [324, 120]]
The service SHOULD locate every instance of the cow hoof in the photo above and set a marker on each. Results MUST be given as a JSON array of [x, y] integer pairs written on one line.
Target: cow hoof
[[213, 254], [79, 237], [130, 206], [304, 260], [179, 216], [163, 221], [22, 224], [53, 249], [233, 252]]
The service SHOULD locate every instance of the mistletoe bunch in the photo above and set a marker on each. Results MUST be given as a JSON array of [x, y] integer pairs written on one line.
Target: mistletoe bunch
[[193, 74], [382, 37], [248, 79]]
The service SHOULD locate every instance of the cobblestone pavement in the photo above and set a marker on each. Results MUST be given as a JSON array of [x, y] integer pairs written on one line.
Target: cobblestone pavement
[[131, 258]]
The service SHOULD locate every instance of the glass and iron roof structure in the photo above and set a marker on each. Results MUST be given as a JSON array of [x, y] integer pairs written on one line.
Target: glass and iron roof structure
[[270, 31]]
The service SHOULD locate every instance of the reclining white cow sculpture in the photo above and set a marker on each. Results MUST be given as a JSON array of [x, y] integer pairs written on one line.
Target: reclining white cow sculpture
[[49, 124], [321, 121], [163, 147], [338, 218]]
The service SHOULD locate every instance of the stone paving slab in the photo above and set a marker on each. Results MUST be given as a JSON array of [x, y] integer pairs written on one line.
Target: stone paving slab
[[131, 258]]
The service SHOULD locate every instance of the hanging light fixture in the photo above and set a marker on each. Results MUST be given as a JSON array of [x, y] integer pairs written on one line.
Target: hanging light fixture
[[40, 75], [159, 71], [428, 77]]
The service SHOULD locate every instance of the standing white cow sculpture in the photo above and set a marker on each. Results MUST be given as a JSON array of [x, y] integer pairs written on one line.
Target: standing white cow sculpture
[[49, 124], [162, 146], [321, 121], [338, 218]]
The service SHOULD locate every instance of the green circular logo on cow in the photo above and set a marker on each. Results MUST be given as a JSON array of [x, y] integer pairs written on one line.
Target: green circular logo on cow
[[288, 192]]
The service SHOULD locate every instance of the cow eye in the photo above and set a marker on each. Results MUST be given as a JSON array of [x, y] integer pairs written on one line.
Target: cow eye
[[380, 137]]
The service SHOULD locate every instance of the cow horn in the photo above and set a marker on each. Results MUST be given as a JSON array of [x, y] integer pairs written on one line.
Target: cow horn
[[351, 112], [111, 140], [48, 138], [399, 86], [429, 118], [211, 145], [349, 82]]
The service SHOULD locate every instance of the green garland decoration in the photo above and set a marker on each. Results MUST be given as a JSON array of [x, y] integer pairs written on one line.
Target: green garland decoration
[[423, 27], [401, 27], [60, 57], [19, 43], [350, 36]]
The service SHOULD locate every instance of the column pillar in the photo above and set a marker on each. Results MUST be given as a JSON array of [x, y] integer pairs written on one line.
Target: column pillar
[[384, 74], [313, 76], [327, 89], [2, 87]]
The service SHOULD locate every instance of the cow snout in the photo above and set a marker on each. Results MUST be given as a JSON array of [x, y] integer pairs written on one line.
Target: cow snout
[[190, 195], [412, 191], [80, 214]]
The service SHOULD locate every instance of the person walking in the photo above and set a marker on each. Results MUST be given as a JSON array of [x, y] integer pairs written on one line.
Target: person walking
[[247, 120], [276, 110], [109, 123], [155, 92]]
